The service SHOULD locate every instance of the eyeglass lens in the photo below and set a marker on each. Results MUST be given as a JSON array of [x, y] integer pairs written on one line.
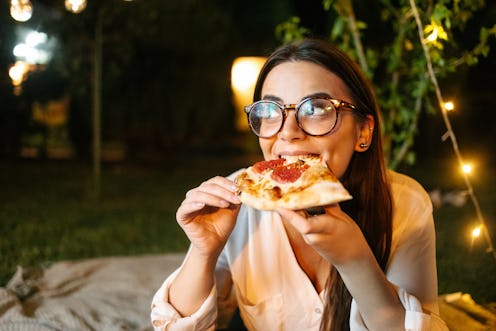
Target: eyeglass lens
[[314, 116]]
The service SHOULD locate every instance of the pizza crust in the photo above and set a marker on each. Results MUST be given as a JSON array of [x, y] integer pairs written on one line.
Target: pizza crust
[[317, 186], [320, 194]]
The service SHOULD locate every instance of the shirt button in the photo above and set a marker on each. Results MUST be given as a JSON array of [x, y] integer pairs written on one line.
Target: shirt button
[[318, 311]]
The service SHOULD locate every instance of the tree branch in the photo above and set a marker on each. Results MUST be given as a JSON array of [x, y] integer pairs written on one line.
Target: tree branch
[[347, 11]]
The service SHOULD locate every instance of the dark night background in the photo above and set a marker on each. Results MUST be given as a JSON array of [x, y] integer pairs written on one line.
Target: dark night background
[[167, 68]]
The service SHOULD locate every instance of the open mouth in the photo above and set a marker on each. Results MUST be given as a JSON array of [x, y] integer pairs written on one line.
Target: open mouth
[[296, 157]]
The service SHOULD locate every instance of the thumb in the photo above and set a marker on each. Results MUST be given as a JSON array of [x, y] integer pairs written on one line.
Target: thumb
[[303, 224]]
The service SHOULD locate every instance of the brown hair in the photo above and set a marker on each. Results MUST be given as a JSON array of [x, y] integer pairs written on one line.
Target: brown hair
[[365, 177]]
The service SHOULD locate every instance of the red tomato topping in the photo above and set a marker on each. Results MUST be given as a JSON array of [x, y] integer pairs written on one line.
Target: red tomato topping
[[289, 173], [264, 165]]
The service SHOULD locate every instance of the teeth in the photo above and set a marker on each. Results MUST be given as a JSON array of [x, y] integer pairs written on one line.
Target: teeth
[[294, 158], [297, 156]]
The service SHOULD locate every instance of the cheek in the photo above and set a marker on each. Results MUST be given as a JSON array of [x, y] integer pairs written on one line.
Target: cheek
[[266, 147], [339, 162], [339, 153]]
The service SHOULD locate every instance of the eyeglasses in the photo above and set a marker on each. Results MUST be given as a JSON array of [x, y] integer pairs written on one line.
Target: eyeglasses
[[316, 116]]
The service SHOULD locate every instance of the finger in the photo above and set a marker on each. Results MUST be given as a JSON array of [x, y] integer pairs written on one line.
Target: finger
[[212, 194], [214, 200], [332, 209], [187, 210], [198, 201], [218, 186], [304, 225], [223, 182], [215, 193]]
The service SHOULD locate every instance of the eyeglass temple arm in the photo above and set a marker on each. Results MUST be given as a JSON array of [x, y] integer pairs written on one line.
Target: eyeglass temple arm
[[342, 104]]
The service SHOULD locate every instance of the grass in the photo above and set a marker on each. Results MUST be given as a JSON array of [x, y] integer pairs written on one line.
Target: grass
[[463, 263], [47, 214]]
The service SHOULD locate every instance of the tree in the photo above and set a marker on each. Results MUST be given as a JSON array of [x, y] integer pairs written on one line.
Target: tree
[[166, 65], [382, 36]]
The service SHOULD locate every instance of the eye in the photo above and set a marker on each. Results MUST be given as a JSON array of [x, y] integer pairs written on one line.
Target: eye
[[316, 107], [267, 110]]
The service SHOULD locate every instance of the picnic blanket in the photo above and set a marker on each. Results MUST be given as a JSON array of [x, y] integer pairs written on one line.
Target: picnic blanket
[[114, 294]]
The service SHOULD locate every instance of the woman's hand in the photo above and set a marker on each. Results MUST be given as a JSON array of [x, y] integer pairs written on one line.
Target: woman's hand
[[208, 214], [337, 238], [334, 235]]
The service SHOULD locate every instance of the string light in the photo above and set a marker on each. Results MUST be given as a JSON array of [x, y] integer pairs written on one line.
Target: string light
[[450, 133], [449, 106], [476, 232], [467, 168]]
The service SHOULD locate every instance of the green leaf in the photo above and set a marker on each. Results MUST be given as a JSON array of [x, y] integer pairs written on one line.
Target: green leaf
[[395, 55], [410, 158], [337, 28], [361, 25], [290, 30], [327, 4]]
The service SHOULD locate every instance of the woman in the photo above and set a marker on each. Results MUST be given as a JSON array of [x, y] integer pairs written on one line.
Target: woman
[[365, 264]]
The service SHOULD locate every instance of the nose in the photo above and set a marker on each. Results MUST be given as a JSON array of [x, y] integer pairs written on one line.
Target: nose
[[290, 129]]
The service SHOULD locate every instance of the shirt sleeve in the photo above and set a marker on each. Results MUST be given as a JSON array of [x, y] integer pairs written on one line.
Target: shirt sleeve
[[216, 311], [412, 270], [412, 265], [165, 317], [415, 318]]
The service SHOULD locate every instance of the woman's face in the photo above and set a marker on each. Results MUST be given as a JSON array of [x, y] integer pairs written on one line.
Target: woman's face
[[289, 83]]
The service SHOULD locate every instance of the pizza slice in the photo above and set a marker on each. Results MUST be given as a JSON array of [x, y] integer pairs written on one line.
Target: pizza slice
[[296, 183]]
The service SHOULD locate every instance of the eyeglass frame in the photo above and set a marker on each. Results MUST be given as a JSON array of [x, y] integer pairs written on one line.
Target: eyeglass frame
[[338, 105]]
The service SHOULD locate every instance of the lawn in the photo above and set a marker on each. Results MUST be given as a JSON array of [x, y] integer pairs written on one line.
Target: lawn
[[47, 214]]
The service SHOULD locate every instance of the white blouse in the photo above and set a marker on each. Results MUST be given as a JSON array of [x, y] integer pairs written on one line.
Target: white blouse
[[258, 272]]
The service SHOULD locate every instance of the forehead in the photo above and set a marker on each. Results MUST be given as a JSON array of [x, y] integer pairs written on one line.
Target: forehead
[[293, 81]]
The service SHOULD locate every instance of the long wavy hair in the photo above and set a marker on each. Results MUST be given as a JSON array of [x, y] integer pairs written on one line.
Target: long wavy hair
[[365, 177]]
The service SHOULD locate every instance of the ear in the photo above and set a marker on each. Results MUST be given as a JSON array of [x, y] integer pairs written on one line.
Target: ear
[[365, 134]]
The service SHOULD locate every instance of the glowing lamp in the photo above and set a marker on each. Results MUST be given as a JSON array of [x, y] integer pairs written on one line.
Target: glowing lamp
[[21, 10], [75, 6], [244, 73], [35, 38], [18, 72]]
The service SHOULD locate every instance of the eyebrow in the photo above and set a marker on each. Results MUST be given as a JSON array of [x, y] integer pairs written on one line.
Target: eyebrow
[[313, 95]]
